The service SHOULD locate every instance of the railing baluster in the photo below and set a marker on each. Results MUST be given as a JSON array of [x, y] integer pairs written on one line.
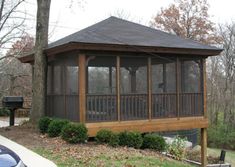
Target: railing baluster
[[134, 106]]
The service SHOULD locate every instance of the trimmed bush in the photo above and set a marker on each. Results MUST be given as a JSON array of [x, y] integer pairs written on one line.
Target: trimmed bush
[[123, 137], [154, 141], [55, 127], [130, 139], [114, 140], [43, 124], [74, 133], [103, 136]]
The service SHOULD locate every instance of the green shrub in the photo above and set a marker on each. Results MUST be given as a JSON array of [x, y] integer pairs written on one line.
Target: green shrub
[[43, 124], [55, 127], [123, 137], [74, 133], [103, 136], [4, 112], [177, 148], [114, 140], [130, 139], [154, 141]]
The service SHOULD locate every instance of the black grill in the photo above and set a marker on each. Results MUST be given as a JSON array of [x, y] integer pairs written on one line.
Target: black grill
[[12, 103]]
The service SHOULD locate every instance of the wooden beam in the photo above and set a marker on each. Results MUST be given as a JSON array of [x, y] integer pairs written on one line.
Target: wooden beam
[[204, 88], [52, 89], [76, 47], [155, 125], [87, 78], [82, 87], [149, 88], [110, 80], [204, 147], [164, 77], [177, 77], [118, 87], [64, 87]]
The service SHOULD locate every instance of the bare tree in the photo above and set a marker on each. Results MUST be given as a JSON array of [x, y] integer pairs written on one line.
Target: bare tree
[[214, 83], [11, 21], [228, 68], [40, 63], [15, 76]]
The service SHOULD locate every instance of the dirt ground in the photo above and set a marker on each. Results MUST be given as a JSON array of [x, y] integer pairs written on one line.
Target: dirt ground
[[26, 135], [30, 137]]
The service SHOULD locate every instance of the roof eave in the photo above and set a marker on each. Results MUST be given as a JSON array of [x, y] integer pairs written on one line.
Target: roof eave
[[121, 48]]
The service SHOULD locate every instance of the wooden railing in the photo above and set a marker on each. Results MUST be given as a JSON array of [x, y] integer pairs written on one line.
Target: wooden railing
[[103, 108], [134, 106], [100, 108], [164, 105], [191, 104]]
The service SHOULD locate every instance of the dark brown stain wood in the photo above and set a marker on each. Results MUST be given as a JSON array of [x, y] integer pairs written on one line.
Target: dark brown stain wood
[[63, 86], [177, 87], [149, 78], [76, 47], [204, 88], [82, 87], [164, 77], [118, 86]]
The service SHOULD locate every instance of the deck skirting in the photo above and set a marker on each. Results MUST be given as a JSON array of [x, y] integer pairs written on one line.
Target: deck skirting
[[155, 125]]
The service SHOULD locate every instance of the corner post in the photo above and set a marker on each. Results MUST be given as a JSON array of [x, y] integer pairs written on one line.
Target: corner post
[[150, 88], [204, 147], [82, 87], [118, 87], [204, 87], [204, 130]]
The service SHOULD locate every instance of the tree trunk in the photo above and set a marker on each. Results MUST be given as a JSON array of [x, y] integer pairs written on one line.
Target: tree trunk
[[40, 62]]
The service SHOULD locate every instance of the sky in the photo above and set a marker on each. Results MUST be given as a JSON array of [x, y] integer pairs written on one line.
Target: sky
[[69, 16]]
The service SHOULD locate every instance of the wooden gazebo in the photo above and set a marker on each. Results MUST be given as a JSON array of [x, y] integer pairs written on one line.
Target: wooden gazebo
[[120, 75]]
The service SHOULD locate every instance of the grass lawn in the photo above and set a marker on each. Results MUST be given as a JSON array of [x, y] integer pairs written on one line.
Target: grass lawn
[[106, 160], [230, 155]]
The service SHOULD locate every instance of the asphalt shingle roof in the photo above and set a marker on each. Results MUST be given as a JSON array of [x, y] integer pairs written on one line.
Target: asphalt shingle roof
[[117, 31]]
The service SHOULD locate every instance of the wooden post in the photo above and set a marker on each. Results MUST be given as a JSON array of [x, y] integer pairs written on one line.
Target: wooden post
[[87, 78], [52, 90], [164, 77], [118, 87], [64, 87], [110, 80], [204, 88], [177, 76], [82, 87], [150, 88], [204, 147]]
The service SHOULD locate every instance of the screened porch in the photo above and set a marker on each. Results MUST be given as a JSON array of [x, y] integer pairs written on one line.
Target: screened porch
[[124, 88]]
